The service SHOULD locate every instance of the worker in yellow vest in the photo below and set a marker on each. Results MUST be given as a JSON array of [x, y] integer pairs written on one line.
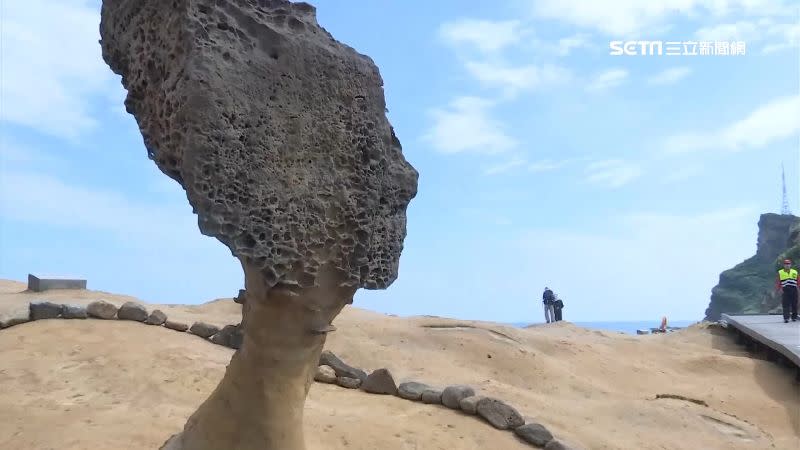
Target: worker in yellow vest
[[787, 283]]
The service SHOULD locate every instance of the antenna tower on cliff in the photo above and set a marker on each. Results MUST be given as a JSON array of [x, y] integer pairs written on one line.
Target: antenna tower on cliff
[[785, 208]]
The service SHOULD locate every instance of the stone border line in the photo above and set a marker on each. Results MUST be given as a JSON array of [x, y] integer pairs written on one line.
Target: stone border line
[[331, 369]]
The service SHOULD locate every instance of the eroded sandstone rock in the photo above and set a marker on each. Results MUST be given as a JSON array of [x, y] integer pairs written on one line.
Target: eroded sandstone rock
[[204, 330], [327, 358], [470, 404], [15, 316], [412, 390], [278, 134], [534, 433], [101, 309], [228, 336], [380, 382], [177, 326], [132, 311], [45, 310], [325, 374], [347, 382], [432, 396], [452, 395], [156, 317], [499, 414], [73, 312]]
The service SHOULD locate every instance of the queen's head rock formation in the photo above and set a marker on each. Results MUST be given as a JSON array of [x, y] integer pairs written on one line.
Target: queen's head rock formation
[[278, 134]]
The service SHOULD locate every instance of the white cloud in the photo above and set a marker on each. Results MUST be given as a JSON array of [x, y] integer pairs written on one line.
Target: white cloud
[[505, 166], [607, 80], [566, 45], [466, 126], [669, 76], [773, 36], [630, 17], [516, 79], [779, 119], [613, 173], [484, 35], [650, 265], [52, 66], [738, 31]]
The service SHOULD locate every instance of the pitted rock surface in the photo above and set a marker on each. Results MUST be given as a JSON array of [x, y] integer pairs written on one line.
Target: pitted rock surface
[[499, 414], [277, 132]]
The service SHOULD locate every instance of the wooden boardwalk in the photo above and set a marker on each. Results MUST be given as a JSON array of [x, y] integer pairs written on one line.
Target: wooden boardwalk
[[770, 331]]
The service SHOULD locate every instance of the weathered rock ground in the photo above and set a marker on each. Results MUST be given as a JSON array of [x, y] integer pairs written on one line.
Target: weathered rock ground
[[495, 412]]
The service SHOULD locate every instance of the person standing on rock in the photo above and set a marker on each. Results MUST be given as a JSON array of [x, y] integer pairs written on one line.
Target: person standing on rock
[[787, 283], [558, 305], [548, 298]]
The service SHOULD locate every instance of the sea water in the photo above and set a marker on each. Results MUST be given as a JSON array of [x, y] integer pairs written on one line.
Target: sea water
[[629, 327]]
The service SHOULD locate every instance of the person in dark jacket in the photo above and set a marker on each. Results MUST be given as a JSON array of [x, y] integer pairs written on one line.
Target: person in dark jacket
[[548, 298], [558, 305]]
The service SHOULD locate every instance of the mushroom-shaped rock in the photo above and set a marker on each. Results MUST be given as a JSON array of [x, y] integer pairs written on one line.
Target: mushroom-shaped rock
[[452, 395], [204, 330], [228, 336], [470, 404], [325, 374], [132, 311], [412, 390], [347, 382], [534, 433], [177, 326], [499, 414], [45, 310], [327, 358], [156, 317], [380, 382], [278, 134], [73, 312], [431, 396], [101, 309]]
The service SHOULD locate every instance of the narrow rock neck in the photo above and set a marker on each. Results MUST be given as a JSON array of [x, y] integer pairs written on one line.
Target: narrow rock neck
[[259, 403]]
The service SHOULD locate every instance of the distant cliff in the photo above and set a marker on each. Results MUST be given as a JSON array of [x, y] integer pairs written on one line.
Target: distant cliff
[[749, 286]]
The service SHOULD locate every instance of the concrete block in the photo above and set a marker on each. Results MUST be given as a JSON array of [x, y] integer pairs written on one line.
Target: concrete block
[[41, 283]]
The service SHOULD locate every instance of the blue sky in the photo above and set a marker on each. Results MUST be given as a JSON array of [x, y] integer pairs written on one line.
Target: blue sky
[[625, 183]]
